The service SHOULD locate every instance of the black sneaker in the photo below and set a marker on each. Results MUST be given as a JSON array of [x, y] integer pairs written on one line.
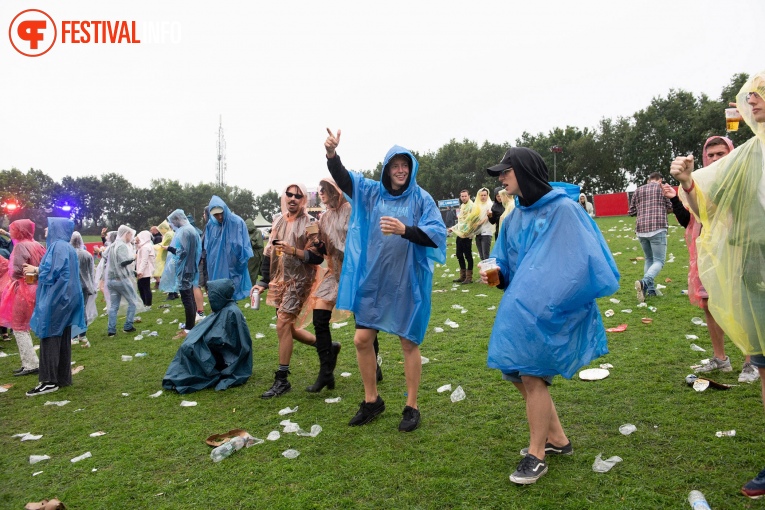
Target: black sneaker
[[26, 371], [111, 334], [755, 488], [551, 448], [410, 421], [529, 470], [367, 412], [20, 369], [42, 389], [128, 330]]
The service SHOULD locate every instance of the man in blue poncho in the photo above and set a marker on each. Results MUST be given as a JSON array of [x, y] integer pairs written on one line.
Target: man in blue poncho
[[58, 307], [394, 235], [227, 248], [556, 327], [218, 351], [187, 248]]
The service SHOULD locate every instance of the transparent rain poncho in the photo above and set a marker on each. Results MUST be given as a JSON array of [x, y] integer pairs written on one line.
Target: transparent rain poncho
[[161, 255], [333, 227], [227, 249], [59, 295], [121, 252], [18, 299], [87, 277], [111, 236], [145, 255], [291, 279], [731, 248], [188, 250]]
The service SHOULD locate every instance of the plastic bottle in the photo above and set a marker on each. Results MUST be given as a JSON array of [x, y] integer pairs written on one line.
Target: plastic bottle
[[255, 299], [226, 449], [698, 501]]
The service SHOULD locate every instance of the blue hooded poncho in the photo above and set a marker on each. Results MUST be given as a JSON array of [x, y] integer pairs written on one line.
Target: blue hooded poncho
[[188, 251], [227, 249], [387, 280], [59, 296], [217, 351], [557, 263]]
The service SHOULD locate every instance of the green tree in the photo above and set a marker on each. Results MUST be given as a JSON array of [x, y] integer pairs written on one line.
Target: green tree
[[268, 204]]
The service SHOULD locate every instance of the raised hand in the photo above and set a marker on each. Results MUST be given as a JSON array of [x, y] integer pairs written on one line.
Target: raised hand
[[331, 143], [681, 169]]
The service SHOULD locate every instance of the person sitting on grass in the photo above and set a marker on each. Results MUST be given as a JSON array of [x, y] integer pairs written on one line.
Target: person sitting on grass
[[547, 322]]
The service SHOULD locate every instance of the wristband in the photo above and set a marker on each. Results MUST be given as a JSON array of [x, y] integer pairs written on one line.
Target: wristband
[[693, 185], [294, 251]]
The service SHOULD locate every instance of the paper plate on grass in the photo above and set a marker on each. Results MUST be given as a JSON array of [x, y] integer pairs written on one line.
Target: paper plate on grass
[[594, 374]]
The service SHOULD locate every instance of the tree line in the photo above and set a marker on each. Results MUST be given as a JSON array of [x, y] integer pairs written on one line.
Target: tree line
[[603, 159]]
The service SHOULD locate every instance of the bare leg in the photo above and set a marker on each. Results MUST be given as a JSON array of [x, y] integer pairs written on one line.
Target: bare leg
[[198, 298], [284, 332], [365, 355], [544, 424], [303, 336], [761, 370], [412, 370], [716, 334]]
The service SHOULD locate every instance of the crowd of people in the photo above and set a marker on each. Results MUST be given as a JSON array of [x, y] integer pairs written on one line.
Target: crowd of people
[[372, 252]]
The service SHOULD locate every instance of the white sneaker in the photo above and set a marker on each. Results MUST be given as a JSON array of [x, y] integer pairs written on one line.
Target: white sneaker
[[723, 365], [748, 374]]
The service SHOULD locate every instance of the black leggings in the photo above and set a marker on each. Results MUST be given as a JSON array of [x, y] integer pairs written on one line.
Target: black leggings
[[465, 251], [189, 306], [144, 290]]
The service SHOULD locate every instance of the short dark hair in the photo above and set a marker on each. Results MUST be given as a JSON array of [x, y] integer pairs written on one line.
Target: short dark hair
[[717, 140], [464, 191], [655, 176]]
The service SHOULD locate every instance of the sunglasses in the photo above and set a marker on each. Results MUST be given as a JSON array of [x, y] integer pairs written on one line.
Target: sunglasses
[[293, 195], [321, 190]]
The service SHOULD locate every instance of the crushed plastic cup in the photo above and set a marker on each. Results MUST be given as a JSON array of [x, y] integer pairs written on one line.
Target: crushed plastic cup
[[27, 436], [145, 331], [424, 360], [445, 387], [438, 330], [615, 301], [166, 310], [458, 394], [188, 403], [291, 454], [691, 337], [98, 434], [642, 305], [695, 347], [491, 307], [154, 333], [627, 310], [379, 360], [345, 374], [259, 335], [653, 308], [289, 426], [457, 307], [609, 313], [725, 433], [332, 400], [700, 384], [697, 321], [138, 337], [37, 473], [155, 395], [34, 459], [273, 435], [174, 321], [58, 403], [315, 431], [606, 366], [125, 357], [451, 324], [627, 429], [272, 326], [603, 466], [84, 456], [288, 410], [339, 325], [159, 321]]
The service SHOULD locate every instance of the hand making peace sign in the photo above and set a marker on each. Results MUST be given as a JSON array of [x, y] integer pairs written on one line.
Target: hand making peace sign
[[331, 143]]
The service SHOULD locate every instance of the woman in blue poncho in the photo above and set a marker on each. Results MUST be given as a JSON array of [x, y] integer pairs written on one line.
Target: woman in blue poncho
[[394, 236], [547, 321], [58, 307]]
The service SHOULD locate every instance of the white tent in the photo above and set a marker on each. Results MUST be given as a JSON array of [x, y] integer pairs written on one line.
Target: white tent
[[260, 221]]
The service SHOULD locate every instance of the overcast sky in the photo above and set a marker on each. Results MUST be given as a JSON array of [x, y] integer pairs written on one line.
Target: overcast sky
[[412, 73]]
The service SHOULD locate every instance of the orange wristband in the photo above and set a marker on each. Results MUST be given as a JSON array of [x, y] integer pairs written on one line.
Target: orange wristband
[[693, 185]]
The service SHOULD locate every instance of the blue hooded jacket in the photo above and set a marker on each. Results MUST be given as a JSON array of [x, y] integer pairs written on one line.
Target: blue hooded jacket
[[59, 296], [188, 250], [227, 249], [387, 280]]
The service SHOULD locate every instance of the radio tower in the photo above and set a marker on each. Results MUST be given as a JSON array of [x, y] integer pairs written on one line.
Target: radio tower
[[221, 169]]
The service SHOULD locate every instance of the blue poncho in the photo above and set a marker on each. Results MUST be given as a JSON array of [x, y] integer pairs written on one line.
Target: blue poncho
[[59, 296], [556, 262], [227, 249], [218, 351], [188, 251], [387, 280]]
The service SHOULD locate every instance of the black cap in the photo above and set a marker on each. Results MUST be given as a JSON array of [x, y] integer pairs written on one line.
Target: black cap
[[502, 166]]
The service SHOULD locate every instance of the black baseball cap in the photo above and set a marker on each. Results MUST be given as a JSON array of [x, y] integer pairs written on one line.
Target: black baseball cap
[[502, 166]]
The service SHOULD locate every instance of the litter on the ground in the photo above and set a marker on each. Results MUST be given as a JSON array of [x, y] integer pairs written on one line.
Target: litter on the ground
[[141, 354], [491, 307], [642, 305], [725, 433], [609, 313], [27, 436], [481, 295], [126, 357], [273, 435], [126, 394], [291, 454], [272, 326], [315, 431], [138, 337], [78, 458], [617, 329], [98, 434], [606, 366], [698, 321], [259, 335], [457, 307], [188, 403], [614, 301], [37, 473], [451, 324], [646, 320], [34, 459], [691, 337], [289, 426], [653, 308], [57, 403], [424, 360], [166, 310], [603, 466], [593, 374], [627, 310], [445, 387], [458, 394], [339, 325], [159, 321], [332, 400], [345, 374], [154, 395], [627, 429], [695, 347], [287, 410], [438, 330]]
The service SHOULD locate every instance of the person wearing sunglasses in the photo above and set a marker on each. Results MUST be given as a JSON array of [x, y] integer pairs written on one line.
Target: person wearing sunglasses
[[728, 198], [227, 248], [288, 272], [395, 235]]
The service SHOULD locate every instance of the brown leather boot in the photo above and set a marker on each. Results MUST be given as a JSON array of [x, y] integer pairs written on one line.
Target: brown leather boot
[[468, 277], [461, 278]]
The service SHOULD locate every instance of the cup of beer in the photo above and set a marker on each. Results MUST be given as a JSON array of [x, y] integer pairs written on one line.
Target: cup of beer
[[490, 267], [311, 229], [277, 247], [732, 119], [30, 278]]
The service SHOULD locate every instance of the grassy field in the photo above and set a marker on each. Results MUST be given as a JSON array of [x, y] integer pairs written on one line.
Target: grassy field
[[154, 455]]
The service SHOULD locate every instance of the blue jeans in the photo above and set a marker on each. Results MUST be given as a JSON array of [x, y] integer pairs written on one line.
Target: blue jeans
[[118, 290], [655, 250]]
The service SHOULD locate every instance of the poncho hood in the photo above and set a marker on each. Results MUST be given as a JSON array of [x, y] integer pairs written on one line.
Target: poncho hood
[[725, 139], [59, 229], [217, 201], [531, 173], [21, 230], [411, 181], [76, 241], [220, 293], [177, 219]]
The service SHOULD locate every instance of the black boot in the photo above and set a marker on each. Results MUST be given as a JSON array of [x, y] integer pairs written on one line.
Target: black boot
[[280, 387], [325, 348]]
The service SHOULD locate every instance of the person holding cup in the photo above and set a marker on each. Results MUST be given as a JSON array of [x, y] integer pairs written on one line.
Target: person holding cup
[[547, 323], [395, 234]]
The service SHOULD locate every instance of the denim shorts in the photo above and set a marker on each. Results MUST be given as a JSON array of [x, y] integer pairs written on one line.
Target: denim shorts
[[758, 360], [515, 377]]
